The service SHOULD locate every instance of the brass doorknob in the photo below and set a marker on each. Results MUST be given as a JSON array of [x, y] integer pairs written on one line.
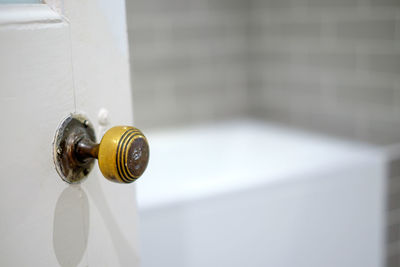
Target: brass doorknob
[[123, 152]]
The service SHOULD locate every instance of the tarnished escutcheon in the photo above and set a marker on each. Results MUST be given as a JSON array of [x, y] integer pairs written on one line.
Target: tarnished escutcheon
[[69, 166]]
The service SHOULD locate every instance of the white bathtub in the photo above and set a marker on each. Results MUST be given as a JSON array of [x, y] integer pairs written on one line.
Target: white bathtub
[[246, 193]]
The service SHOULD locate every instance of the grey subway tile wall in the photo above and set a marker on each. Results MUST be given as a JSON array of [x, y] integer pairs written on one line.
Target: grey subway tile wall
[[393, 214], [326, 65], [187, 60]]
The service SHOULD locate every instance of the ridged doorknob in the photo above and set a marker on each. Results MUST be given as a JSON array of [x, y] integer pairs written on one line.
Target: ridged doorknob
[[123, 152]]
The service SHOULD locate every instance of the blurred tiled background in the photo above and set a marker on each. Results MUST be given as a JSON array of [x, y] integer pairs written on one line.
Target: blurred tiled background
[[393, 213], [188, 60], [326, 65], [329, 65]]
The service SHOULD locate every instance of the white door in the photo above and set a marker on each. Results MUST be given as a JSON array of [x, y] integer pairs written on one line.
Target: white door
[[55, 59]]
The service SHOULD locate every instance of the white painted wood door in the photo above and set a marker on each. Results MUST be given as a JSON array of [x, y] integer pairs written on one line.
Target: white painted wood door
[[57, 58]]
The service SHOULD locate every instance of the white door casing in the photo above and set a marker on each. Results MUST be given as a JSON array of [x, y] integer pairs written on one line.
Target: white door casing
[[58, 58]]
